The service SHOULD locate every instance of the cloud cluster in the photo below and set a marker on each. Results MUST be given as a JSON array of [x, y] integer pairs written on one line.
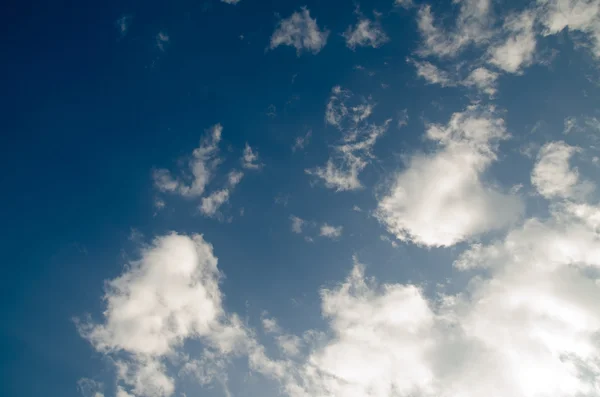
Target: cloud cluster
[[300, 31], [350, 115]]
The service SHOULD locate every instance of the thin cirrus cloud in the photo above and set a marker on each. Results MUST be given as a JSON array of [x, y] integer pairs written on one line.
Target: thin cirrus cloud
[[300, 31]]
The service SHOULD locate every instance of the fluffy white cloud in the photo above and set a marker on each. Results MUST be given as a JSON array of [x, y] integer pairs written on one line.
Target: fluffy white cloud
[[330, 231], [231, 1], [440, 198], [202, 166], [123, 24], [365, 33], [171, 294], [518, 48], [350, 116], [250, 159], [301, 32]]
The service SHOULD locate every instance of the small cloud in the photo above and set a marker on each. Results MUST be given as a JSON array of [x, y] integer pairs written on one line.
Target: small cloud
[[250, 159], [385, 238], [282, 199], [402, 118], [301, 32], [297, 224], [231, 1], [272, 111], [301, 141], [406, 4], [329, 231], [123, 24], [162, 40], [366, 33], [356, 208]]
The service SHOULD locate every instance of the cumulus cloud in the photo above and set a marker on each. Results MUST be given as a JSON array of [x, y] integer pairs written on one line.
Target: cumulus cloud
[[330, 231], [301, 32], [350, 115], [202, 166], [440, 198], [231, 1], [169, 296], [366, 33]]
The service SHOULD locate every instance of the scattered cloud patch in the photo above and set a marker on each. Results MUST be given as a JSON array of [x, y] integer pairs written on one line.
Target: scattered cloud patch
[[301, 141], [123, 24], [301, 32], [330, 231], [297, 224], [366, 33], [353, 153], [202, 166], [250, 159], [517, 50]]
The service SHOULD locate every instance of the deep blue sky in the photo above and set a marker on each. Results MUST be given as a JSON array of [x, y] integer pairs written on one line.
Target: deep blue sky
[[88, 113]]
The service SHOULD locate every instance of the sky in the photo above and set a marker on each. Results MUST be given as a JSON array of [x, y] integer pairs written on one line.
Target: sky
[[393, 198]]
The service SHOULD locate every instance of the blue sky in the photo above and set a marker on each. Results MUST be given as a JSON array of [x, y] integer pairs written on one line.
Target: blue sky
[[241, 198]]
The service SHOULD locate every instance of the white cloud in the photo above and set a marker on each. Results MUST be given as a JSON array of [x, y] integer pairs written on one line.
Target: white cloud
[[440, 198], [518, 48], [583, 16], [432, 74], [250, 159], [402, 118], [162, 40], [202, 166], [297, 224], [350, 116], [552, 175], [301, 141], [482, 78], [231, 1], [301, 32], [404, 3], [168, 296], [210, 205], [123, 24], [365, 33], [90, 388], [331, 231], [472, 27]]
